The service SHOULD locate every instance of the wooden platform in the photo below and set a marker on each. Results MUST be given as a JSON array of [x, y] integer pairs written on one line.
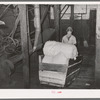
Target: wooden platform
[[59, 75]]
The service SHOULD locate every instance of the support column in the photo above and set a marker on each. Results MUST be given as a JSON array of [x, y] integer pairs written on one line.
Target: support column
[[72, 16], [97, 60], [25, 43], [57, 21]]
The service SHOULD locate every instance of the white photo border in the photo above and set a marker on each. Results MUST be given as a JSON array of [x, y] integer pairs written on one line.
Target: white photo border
[[49, 93]]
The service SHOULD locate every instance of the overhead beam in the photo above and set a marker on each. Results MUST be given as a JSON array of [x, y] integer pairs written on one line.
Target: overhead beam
[[25, 43], [64, 12], [63, 8]]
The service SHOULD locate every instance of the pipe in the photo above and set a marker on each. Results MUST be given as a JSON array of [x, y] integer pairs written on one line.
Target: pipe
[[5, 10], [37, 24], [15, 27]]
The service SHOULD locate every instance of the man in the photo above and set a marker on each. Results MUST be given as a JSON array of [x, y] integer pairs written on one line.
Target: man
[[69, 38]]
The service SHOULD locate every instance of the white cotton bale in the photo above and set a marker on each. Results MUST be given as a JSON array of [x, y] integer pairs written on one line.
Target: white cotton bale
[[47, 59], [70, 51], [51, 48], [60, 59], [57, 59]]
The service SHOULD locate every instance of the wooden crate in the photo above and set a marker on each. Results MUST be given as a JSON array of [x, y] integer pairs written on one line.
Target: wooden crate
[[59, 75]]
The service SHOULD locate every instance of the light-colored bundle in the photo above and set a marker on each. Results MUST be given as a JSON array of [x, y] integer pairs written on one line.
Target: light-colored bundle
[[70, 51], [52, 48], [47, 59], [60, 59], [57, 59]]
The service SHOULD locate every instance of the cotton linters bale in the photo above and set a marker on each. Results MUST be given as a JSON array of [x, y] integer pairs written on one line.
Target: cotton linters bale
[[70, 51], [47, 59], [51, 48], [60, 59], [57, 59]]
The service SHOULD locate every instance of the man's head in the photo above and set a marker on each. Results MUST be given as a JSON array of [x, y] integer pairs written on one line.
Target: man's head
[[69, 31]]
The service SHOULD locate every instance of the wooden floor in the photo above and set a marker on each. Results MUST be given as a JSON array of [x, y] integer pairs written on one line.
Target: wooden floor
[[85, 79]]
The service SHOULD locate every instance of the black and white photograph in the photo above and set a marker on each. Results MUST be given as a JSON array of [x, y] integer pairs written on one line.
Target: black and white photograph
[[50, 46]]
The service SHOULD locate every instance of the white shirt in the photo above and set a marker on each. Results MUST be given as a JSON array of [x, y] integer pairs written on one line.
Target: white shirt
[[71, 40]]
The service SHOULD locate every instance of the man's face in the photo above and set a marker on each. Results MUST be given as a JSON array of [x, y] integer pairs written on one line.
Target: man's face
[[69, 33]]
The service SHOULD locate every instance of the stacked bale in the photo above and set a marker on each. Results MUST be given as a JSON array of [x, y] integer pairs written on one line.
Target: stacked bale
[[58, 53]]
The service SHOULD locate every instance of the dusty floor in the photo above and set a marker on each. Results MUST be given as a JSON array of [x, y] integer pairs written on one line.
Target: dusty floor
[[85, 79]]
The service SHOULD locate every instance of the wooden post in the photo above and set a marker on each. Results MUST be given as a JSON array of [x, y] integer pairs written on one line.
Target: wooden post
[[57, 21], [97, 60], [97, 65], [72, 16], [25, 43], [28, 31]]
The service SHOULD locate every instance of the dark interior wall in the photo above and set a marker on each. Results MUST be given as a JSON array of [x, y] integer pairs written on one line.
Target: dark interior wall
[[84, 29], [45, 24], [92, 23], [47, 32], [81, 28]]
